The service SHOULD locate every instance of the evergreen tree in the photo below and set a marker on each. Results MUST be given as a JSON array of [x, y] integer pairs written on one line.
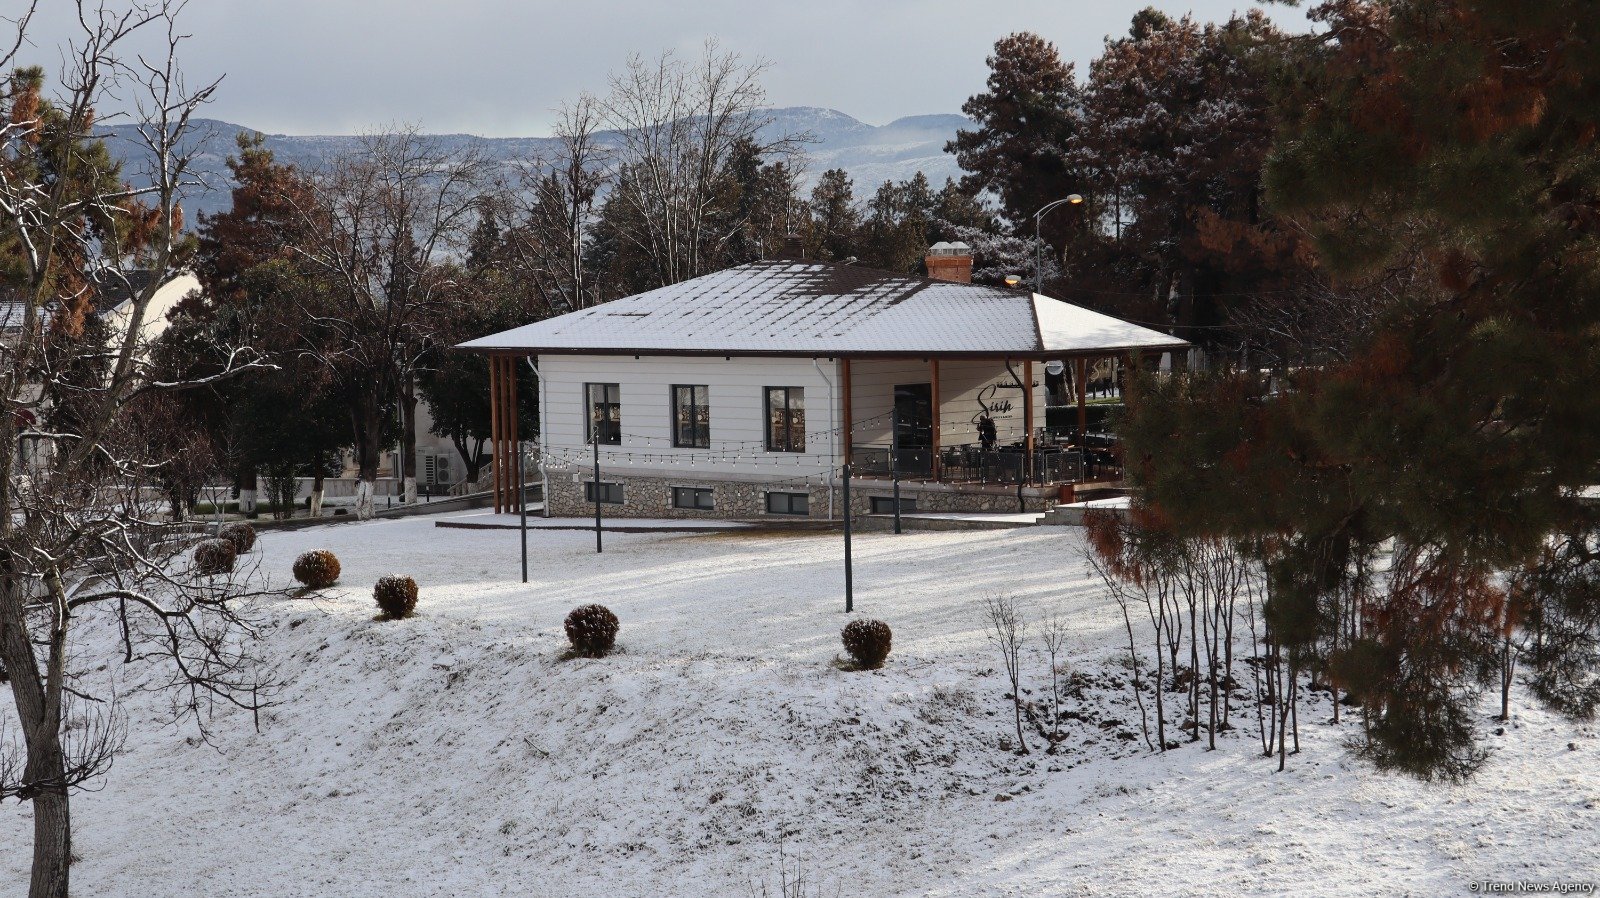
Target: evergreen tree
[[834, 217], [452, 384], [1457, 437], [1027, 119], [287, 419], [1177, 123], [899, 218]]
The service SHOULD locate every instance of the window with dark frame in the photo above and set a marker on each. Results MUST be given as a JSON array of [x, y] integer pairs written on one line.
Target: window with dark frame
[[788, 503], [885, 504], [605, 413], [786, 419], [691, 416], [692, 497], [610, 493]]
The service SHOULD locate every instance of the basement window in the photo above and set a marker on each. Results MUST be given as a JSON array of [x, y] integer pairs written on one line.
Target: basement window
[[691, 497], [788, 503], [885, 505], [610, 493]]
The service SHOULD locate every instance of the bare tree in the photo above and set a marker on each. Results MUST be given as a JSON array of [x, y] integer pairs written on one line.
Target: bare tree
[[558, 194], [377, 225], [79, 547], [1053, 632], [679, 126], [1147, 575], [1007, 628]]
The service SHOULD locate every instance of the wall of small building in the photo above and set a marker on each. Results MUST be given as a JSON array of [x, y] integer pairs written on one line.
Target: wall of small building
[[966, 389], [735, 387], [736, 468]]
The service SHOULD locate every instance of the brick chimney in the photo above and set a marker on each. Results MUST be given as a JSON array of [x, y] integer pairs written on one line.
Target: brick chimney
[[950, 262], [794, 248]]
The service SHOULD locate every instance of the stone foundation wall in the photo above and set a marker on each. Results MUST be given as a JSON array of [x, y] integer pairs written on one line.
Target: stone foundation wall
[[651, 497], [940, 497]]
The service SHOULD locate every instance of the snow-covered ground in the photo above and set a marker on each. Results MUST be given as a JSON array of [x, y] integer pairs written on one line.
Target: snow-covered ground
[[457, 753]]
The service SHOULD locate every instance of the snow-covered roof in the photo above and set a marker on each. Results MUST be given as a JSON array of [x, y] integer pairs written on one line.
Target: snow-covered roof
[[790, 307]]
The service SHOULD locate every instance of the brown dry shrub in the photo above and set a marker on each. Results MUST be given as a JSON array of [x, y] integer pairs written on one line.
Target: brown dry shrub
[[317, 569], [214, 556], [242, 535], [867, 642], [592, 630], [396, 597]]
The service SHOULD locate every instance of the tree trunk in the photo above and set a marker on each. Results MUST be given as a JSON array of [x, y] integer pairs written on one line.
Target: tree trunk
[[316, 493], [39, 716], [247, 490], [1508, 666], [408, 441], [368, 426], [52, 830], [1161, 705]]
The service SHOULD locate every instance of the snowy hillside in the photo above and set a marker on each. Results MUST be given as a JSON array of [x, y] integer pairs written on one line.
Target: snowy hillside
[[871, 154], [457, 753]]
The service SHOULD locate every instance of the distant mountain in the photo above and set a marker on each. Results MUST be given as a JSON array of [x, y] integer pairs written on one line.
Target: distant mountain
[[871, 154]]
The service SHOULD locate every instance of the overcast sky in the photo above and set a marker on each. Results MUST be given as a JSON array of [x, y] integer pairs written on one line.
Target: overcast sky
[[498, 67]]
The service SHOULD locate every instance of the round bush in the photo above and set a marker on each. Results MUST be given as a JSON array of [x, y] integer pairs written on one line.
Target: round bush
[[214, 556], [318, 569], [867, 642], [593, 630], [396, 596], [242, 535]]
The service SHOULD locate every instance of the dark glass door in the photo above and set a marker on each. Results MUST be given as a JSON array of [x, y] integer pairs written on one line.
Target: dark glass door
[[913, 429]]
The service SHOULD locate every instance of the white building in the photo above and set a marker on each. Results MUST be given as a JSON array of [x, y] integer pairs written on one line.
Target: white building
[[743, 393]]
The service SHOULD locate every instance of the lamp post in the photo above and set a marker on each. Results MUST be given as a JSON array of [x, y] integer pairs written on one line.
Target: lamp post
[[1038, 244]]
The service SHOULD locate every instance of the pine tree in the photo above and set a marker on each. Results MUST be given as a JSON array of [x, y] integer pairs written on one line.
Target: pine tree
[[1027, 118], [834, 217], [1177, 124], [286, 419], [1459, 433]]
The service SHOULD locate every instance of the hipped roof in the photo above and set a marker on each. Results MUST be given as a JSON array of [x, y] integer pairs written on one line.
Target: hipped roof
[[815, 309]]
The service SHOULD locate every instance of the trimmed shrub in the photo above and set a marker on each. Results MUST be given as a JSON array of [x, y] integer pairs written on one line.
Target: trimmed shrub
[[396, 597], [214, 556], [867, 642], [242, 535], [317, 569], [593, 630]]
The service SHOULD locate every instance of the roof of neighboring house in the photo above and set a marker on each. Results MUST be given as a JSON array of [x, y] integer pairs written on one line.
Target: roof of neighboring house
[[787, 307], [113, 294]]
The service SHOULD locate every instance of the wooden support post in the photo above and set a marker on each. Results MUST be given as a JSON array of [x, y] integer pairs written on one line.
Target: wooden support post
[[1081, 375], [513, 436], [1027, 416], [844, 393], [503, 452], [494, 430], [938, 417], [500, 453]]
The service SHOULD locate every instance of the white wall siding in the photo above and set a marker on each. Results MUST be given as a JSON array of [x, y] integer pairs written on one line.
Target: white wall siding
[[738, 420]]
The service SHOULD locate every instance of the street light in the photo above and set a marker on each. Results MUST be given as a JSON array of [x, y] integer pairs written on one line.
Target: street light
[[1038, 244]]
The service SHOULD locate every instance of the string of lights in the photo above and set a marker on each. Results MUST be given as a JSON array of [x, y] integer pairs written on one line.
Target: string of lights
[[688, 459], [632, 439]]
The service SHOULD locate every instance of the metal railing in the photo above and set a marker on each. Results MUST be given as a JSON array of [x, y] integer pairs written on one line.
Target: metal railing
[[972, 463]]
